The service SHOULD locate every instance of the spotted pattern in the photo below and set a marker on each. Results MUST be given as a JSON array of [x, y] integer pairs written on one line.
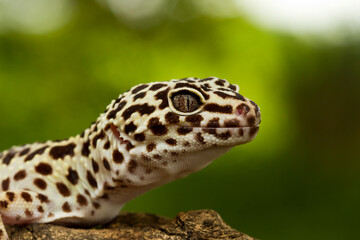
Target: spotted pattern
[[140, 139]]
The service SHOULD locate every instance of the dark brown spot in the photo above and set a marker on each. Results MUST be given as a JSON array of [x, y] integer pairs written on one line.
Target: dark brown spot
[[96, 205], [40, 183], [232, 123], [113, 113], [117, 101], [194, 119], [85, 151], [95, 166], [131, 127], [38, 151], [253, 131], [44, 169], [157, 86], [142, 109], [43, 198], [223, 136], [251, 121], [172, 118], [10, 196], [163, 96], [91, 179], [101, 135], [24, 151], [66, 207], [233, 87], [62, 151], [129, 146], [210, 130], [107, 127], [95, 128], [213, 123], [171, 141], [3, 204], [139, 88], [156, 127], [81, 200], [26, 196], [8, 157], [106, 164], [241, 132], [132, 165], [157, 156], [139, 95], [72, 176], [206, 79], [118, 157], [20, 175], [63, 189], [139, 137], [150, 147], [40, 209], [107, 145], [225, 95], [184, 130], [220, 82], [28, 213], [200, 138], [212, 107]]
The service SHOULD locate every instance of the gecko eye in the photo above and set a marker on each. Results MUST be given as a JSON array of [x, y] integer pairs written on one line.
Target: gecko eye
[[186, 101]]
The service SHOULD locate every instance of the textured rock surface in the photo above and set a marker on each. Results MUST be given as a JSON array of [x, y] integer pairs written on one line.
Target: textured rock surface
[[200, 224]]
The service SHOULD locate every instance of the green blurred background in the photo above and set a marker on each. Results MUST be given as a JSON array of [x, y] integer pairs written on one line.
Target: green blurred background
[[62, 62]]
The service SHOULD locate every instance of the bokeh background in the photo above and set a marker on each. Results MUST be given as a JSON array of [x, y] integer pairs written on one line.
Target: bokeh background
[[63, 61]]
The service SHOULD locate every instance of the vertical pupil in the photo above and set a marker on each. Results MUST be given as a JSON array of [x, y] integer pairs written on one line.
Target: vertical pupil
[[187, 99]]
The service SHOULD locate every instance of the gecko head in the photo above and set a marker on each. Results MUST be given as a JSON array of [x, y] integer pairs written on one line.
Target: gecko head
[[169, 123]]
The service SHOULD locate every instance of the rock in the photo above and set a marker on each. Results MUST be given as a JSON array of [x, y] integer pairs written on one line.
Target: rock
[[200, 224]]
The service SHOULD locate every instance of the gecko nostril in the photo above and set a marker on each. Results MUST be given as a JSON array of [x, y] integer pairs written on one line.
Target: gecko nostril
[[242, 109]]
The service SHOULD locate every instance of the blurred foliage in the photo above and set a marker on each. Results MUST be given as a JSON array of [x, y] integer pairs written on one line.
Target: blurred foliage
[[297, 180]]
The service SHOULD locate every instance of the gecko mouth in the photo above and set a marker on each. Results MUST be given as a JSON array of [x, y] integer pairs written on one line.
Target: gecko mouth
[[221, 128], [225, 132]]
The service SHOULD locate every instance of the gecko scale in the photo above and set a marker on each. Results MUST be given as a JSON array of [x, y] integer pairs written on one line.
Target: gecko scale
[[150, 135]]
